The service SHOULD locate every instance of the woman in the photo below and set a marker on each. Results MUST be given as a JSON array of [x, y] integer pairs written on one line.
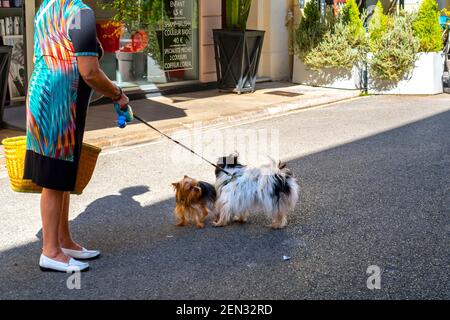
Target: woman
[[66, 68]]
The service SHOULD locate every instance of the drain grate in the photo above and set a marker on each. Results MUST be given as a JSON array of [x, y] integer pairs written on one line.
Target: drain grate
[[284, 93]]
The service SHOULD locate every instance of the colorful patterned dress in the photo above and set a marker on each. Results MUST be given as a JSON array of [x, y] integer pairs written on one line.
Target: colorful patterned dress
[[58, 97]]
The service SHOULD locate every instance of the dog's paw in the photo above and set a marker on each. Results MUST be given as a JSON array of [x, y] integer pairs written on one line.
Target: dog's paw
[[276, 226], [239, 220], [217, 224]]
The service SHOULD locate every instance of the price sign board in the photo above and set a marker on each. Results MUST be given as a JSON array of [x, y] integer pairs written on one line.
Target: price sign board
[[178, 35]]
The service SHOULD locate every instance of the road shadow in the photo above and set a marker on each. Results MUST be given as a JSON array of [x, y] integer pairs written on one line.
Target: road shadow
[[144, 236], [382, 200], [106, 217], [104, 116]]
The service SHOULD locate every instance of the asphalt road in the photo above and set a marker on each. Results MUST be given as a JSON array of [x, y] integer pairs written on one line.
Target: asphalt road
[[375, 180]]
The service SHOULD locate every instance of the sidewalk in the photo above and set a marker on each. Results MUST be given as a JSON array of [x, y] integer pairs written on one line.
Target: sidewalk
[[211, 107]]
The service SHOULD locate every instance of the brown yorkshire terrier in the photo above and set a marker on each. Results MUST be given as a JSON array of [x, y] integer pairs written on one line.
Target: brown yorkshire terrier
[[194, 200]]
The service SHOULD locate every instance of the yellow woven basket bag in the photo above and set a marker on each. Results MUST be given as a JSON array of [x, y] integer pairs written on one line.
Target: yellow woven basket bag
[[15, 149]]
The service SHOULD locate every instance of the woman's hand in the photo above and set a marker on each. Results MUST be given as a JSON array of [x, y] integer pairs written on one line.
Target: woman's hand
[[123, 102]]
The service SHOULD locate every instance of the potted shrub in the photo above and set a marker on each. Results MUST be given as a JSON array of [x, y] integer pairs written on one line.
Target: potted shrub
[[407, 58], [330, 48], [237, 50]]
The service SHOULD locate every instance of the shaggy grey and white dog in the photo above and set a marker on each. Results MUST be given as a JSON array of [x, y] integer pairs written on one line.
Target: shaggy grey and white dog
[[270, 188]]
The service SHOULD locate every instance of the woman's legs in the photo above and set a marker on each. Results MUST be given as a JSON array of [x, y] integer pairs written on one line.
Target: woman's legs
[[65, 238], [51, 204]]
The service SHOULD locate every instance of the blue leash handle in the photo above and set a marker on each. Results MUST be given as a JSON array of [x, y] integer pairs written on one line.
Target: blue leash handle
[[123, 116]]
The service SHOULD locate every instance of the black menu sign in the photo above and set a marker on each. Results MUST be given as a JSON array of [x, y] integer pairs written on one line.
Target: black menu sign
[[178, 35]]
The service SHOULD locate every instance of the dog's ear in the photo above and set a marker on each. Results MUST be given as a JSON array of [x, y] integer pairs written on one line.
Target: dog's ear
[[175, 185], [185, 177]]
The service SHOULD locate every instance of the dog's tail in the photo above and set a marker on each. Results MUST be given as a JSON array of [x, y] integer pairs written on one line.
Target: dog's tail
[[285, 185]]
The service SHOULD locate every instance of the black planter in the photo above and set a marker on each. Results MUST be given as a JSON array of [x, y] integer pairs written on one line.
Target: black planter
[[5, 62], [237, 58]]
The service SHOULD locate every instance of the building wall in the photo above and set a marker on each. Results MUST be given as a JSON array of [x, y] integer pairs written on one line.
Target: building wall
[[270, 15], [210, 18]]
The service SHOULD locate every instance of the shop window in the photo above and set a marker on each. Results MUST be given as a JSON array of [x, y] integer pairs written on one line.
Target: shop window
[[162, 47]]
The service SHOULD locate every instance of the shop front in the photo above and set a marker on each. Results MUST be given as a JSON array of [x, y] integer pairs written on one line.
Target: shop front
[[157, 44], [161, 44]]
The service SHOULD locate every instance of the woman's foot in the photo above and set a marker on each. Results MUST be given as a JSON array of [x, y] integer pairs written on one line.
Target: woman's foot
[[56, 255], [70, 244], [74, 250]]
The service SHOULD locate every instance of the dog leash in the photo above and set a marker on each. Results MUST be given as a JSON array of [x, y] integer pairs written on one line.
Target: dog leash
[[180, 144]]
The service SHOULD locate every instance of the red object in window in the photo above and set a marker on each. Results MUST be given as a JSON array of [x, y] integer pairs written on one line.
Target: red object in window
[[108, 33], [139, 41]]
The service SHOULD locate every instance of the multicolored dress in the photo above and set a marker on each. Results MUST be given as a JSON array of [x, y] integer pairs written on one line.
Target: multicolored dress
[[58, 97]]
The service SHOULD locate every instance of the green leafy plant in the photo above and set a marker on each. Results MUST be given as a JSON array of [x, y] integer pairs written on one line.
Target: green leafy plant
[[129, 13], [335, 50], [426, 27], [351, 18], [341, 46], [237, 12], [310, 30], [395, 54], [378, 25]]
